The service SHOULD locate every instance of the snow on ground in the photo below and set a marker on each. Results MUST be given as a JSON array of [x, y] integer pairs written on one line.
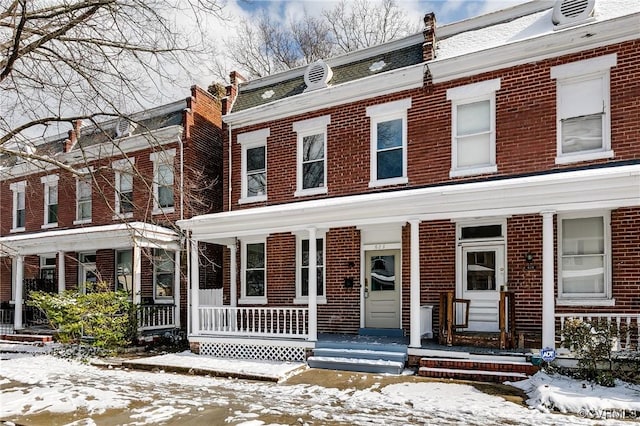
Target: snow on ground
[[44, 387]]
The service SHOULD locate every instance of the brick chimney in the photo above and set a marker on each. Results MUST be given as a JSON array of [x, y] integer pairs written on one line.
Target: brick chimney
[[74, 134], [429, 33], [232, 91]]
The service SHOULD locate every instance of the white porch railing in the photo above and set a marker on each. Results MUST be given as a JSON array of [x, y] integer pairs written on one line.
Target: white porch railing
[[151, 317], [286, 322], [628, 326]]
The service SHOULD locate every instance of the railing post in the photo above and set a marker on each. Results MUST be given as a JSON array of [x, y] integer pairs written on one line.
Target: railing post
[[450, 318], [502, 320]]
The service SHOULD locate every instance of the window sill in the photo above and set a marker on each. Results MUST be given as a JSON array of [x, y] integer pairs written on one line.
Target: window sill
[[119, 216], [13, 230], [163, 301], [321, 300], [585, 302], [253, 301], [387, 182], [475, 171], [574, 158], [163, 210], [255, 199], [49, 225], [81, 221], [312, 191]]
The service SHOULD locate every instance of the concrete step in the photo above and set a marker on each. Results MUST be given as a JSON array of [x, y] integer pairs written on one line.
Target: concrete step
[[361, 354], [475, 375], [356, 364], [381, 347], [495, 364], [37, 338]]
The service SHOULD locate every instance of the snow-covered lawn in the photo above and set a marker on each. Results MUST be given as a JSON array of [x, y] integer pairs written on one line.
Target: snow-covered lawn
[[41, 389]]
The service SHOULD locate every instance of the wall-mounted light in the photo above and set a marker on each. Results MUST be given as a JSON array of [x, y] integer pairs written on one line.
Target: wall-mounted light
[[528, 257], [351, 264]]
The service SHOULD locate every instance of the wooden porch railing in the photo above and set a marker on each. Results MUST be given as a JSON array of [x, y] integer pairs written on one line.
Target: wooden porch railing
[[286, 322], [507, 319], [627, 325], [153, 317]]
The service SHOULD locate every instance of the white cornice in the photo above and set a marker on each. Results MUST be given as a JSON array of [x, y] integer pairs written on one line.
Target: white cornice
[[570, 40], [410, 77]]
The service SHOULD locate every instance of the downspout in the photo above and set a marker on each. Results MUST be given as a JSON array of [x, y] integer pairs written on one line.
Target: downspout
[[230, 167]]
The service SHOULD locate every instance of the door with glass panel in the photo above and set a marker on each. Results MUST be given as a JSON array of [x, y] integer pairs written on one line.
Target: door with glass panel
[[382, 289], [483, 274]]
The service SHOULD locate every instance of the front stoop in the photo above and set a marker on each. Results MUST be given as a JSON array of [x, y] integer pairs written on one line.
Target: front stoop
[[367, 358], [495, 370]]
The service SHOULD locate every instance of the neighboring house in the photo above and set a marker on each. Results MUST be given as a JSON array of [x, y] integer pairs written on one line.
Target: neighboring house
[[111, 216], [488, 169]]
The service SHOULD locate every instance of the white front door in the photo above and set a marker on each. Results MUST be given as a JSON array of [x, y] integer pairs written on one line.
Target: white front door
[[382, 289], [482, 275]]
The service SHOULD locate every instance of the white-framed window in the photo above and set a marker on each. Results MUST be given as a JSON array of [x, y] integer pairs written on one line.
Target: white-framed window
[[48, 267], [583, 115], [312, 155], [584, 259], [473, 128], [84, 203], [254, 165], [254, 272], [123, 187], [87, 272], [163, 181], [50, 200], [124, 271], [163, 275], [19, 190], [388, 143], [302, 270]]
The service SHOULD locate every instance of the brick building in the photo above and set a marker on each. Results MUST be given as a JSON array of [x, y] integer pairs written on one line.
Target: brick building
[[493, 161], [110, 216]]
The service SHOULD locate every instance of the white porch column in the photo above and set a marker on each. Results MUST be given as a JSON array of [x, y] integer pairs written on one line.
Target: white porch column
[[195, 287], [18, 276], [61, 273], [177, 286], [313, 286], [548, 291], [414, 305], [137, 274], [233, 275]]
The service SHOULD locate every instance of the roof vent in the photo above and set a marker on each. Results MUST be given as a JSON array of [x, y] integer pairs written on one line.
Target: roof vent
[[317, 75], [124, 128], [568, 12]]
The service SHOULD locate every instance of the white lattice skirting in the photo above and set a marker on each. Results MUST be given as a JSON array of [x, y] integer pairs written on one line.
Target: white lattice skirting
[[244, 351]]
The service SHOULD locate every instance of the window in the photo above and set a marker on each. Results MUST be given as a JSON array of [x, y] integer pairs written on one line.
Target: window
[[254, 272], [48, 268], [87, 272], [584, 247], [19, 206], [124, 187], [583, 122], [163, 274], [83, 197], [163, 181], [50, 200], [312, 152], [254, 165], [473, 128], [389, 143], [124, 271], [302, 275]]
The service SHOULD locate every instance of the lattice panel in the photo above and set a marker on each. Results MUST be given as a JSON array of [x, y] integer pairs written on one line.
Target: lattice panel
[[262, 352]]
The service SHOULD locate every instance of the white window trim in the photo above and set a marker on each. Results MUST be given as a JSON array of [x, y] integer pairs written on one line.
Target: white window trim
[[386, 112], [83, 268], [82, 175], [585, 300], [125, 165], [163, 299], [166, 157], [310, 127], [251, 300], [470, 93], [588, 69], [49, 181], [17, 187], [300, 299], [247, 141]]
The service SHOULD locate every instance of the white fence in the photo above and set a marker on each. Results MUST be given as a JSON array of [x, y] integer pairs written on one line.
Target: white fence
[[627, 325], [151, 317], [284, 322]]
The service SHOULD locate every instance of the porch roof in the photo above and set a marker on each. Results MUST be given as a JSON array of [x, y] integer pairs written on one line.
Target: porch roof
[[593, 188], [87, 238]]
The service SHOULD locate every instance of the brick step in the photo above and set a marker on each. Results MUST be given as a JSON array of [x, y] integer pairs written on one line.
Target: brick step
[[30, 338], [475, 375], [480, 365]]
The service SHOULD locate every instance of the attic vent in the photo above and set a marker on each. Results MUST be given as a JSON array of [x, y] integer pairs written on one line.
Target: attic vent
[[317, 76], [124, 128], [567, 12]]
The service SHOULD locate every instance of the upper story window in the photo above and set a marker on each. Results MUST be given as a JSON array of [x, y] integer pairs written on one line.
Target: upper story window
[[84, 184], [163, 274], [583, 120], [163, 181], [19, 206], [303, 270], [473, 128], [312, 153], [584, 242], [389, 143], [254, 272], [254, 165], [50, 200], [123, 187]]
